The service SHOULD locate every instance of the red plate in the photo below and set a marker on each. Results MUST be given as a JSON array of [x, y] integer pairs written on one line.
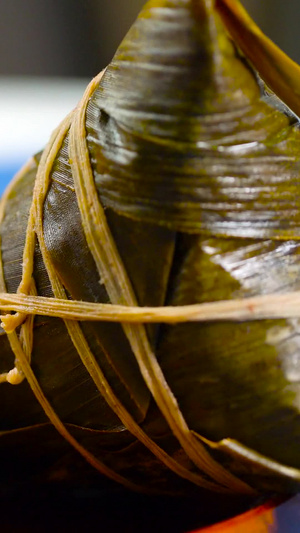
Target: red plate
[[269, 518]]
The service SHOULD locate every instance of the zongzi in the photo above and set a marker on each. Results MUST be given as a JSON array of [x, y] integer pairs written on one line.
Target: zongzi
[[173, 183]]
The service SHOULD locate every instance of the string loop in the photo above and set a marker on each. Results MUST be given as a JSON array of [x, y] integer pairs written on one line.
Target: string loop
[[26, 303]]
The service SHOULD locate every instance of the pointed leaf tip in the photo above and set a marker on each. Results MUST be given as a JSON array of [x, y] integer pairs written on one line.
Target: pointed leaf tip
[[183, 65]]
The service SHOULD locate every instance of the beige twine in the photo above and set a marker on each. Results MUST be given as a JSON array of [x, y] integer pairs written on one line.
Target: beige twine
[[123, 308]]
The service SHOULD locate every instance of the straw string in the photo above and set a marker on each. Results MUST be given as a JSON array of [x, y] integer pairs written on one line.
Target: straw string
[[124, 308]]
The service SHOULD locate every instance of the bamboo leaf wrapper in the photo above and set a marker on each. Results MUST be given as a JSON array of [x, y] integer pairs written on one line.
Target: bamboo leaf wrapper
[[174, 183]]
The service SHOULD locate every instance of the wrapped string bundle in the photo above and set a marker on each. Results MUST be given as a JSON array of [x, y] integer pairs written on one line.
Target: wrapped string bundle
[[173, 183]]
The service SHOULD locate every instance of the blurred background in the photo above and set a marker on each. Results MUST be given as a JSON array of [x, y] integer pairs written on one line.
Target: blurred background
[[50, 49], [78, 37]]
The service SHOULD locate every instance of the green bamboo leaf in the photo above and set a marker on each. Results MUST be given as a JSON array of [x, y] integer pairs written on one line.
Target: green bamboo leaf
[[196, 170]]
